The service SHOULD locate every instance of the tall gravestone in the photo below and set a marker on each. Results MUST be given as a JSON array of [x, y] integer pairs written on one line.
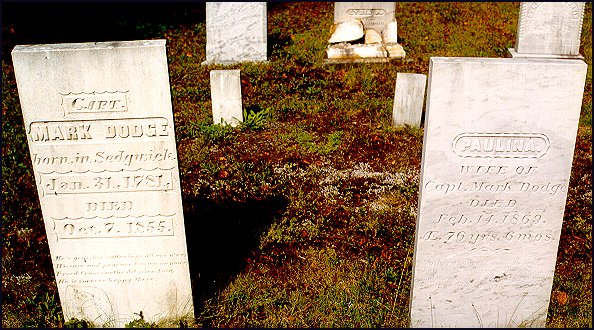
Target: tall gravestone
[[549, 29], [235, 32], [497, 153], [225, 93], [409, 95], [100, 131], [374, 15]]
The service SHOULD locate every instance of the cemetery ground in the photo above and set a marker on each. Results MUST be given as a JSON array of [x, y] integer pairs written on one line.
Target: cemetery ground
[[304, 215]]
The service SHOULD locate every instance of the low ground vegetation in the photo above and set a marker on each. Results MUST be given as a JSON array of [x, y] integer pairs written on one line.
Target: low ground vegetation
[[307, 210]]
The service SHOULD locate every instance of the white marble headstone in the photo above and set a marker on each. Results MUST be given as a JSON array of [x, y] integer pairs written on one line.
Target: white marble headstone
[[100, 131], [225, 93], [549, 28], [374, 15], [497, 153], [235, 32], [408, 99]]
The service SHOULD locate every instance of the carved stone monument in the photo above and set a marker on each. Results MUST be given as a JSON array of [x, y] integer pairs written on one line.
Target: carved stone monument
[[225, 93], [409, 95], [100, 131], [497, 153], [235, 32], [364, 32], [549, 29]]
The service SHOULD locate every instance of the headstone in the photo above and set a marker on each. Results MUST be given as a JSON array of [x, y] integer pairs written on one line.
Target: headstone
[[374, 15], [235, 32], [497, 153], [408, 99], [225, 93], [100, 131], [549, 29]]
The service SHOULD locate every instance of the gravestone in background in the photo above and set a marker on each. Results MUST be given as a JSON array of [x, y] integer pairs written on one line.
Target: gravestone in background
[[374, 15], [225, 93], [408, 99], [549, 29], [497, 153], [235, 32], [100, 131], [364, 32]]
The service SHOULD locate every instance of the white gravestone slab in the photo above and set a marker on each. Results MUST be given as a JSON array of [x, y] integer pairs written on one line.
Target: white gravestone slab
[[550, 29], [497, 153], [235, 32], [374, 15], [408, 99], [225, 93], [100, 131]]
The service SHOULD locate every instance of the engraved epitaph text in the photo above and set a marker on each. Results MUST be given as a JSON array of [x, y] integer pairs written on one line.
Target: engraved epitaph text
[[497, 155], [374, 15], [102, 146]]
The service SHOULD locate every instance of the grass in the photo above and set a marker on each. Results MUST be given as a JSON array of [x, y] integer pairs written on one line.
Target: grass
[[315, 189]]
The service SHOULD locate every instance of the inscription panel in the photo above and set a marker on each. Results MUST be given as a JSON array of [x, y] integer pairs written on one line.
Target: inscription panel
[[374, 15], [92, 131], [497, 153], [100, 131], [501, 145], [114, 227], [74, 103], [108, 183], [95, 158]]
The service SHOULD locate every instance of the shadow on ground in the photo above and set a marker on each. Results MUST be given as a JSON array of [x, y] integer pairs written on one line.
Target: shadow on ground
[[220, 237]]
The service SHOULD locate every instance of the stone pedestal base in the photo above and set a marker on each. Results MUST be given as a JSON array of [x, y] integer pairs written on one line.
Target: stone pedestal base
[[363, 53], [231, 62]]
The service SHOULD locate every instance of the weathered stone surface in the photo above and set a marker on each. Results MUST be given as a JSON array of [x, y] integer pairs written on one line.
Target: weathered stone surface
[[368, 51], [380, 30], [336, 61], [225, 93], [344, 50], [395, 50], [372, 37], [549, 28], [497, 154], [347, 31], [409, 95], [390, 33], [374, 15], [235, 32], [100, 131]]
